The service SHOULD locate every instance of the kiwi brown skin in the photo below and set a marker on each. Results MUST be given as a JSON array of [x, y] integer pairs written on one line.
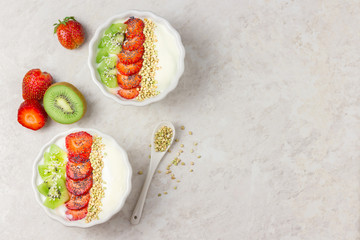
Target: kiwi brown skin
[[69, 85]]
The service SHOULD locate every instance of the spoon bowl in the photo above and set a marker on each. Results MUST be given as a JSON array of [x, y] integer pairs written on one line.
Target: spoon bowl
[[154, 162]]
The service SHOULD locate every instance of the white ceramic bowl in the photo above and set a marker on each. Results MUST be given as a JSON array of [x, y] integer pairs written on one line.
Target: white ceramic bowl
[[122, 172], [141, 14]]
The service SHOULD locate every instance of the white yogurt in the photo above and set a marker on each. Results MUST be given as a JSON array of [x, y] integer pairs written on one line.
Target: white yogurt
[[114, 173], [168, 54]]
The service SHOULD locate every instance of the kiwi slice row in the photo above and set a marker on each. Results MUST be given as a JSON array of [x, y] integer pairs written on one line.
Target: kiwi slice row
[[64, 103], [53, 174], [110, 45]]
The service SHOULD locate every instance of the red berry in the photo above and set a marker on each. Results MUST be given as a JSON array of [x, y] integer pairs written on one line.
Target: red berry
[[35, 84], [128, 93], [128, 57], [77, 171], [32, 115], [134, 26], [128, 82], [79, 158], [134, 42], [79, 187], [129, 69], [74, 215], [77, 202], [70, 33], [79, 143]]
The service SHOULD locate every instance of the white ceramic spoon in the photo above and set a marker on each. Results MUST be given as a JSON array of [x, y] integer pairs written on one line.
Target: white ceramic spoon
[[154, 162]]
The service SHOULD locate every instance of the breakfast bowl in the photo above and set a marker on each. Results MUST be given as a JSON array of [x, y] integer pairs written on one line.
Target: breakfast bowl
[[162, 56], [109, 173]]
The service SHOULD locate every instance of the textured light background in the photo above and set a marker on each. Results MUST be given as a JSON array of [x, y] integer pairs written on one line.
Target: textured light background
[[271, 92]]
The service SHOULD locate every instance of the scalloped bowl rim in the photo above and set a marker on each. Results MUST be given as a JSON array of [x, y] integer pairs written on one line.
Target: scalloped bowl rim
[[174, 80], [121, 203]]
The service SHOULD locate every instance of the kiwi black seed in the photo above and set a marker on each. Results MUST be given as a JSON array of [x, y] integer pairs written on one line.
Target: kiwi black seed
[[64, 103]]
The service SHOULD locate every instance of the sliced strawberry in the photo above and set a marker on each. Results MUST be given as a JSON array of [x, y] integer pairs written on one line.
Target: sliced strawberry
[[128, 82], [128, 93], [79, 187], [133, 43], [77, 171], [32, 115], [78, 158], [79, 143], [77, 202], [128, 57], [134, 26], [74, 215], [129, 69]]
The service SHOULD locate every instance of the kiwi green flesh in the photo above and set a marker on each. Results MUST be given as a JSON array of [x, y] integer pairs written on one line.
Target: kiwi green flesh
[[57, 194], [50, 172], [108, 72], [115, 28], [102, 53], [104, 41], [114, 49], [63, 104], [118, 27], [55, 155], [109, 81], [43, 188]]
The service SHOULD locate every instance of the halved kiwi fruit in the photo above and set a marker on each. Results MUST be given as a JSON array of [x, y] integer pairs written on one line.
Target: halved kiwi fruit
[[64, 103]]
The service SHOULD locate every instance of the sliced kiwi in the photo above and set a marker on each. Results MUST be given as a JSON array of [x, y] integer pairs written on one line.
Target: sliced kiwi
[[107, 63], [59, 154], [55, 155], [108, 72], [116, 28], [57, 194], [64, 103], [101, 54], [43, 188], [109, 80], [119, 38], [50, 172], [111, 44], [106, 40], [114, 49], [53, 174]]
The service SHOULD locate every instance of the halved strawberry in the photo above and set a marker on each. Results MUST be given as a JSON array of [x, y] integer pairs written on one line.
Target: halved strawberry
[[79, 143], [128, 82], [32, 115], [128, 93], [77, 171], [129, 69], [74, 215], [134, 26], [78, 158], [78, 202], [79, 187], [128, 57], [134, 42]]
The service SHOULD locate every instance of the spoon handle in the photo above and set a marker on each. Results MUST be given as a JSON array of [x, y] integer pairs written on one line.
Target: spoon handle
[[135, 218]]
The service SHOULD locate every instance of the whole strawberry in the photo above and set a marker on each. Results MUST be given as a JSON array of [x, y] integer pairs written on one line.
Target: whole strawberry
[[69, 32], [35, 83]]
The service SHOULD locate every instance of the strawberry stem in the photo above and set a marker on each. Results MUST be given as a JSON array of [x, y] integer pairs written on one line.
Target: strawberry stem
[[66, 19]]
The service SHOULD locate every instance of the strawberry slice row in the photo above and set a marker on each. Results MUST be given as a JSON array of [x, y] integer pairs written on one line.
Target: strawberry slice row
[[79, 178], [130, 59]]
